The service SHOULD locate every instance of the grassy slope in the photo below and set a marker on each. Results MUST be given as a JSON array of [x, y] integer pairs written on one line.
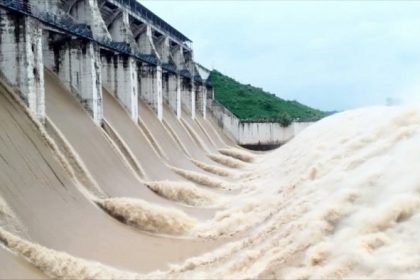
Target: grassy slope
[[249, 103]]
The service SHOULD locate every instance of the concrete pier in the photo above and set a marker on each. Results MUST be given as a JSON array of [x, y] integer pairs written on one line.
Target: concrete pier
[[161, 44], [119, 75], [176, 81], [188, 96], [189, 87], [205, 91], [87, 12], [79, 68], [150, 75], [21, 58], [193, 99], [201, 100], [151, 87], [120, 30], [174, 94], [89, 43], [120, 71], [171, 79]]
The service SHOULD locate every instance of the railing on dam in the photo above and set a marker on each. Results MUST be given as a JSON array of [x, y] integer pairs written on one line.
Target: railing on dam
[[66, 23], [169, 67], [148, 15], [63, 21]]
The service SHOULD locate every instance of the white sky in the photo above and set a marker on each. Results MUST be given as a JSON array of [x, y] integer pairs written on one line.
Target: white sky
[[332, 55]]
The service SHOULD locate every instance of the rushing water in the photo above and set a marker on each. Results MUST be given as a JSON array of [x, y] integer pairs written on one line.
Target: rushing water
[[341, 200]]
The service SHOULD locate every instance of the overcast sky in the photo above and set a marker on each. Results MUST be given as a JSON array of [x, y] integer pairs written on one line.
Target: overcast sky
[[332, 55]]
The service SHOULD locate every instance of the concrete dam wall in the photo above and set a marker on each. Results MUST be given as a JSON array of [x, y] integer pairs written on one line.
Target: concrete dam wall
[[107, 153], [254, 135], [111, 166], [116, 44]]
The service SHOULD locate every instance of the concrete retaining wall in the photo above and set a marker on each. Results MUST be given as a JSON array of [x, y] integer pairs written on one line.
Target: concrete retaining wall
[[254, 133]]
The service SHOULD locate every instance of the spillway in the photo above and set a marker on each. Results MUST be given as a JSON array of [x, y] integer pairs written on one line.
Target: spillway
[[191, 146], [206, 127], [137, 141], [329, 204], [13, 267], [214, 140], [100, 156], [198, 134], [174, 151], [175, 125], [91, 189], [212, 122], [88, 140], [56, 214], [171, 148], [204, 130]]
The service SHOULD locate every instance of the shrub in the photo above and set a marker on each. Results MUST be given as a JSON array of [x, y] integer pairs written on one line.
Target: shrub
[[254, 104]]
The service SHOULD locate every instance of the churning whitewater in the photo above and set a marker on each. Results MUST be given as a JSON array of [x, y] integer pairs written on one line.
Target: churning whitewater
[[341, 200]]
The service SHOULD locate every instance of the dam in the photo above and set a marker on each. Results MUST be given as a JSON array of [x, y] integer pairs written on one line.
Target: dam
[[103, 99], [117, 162]]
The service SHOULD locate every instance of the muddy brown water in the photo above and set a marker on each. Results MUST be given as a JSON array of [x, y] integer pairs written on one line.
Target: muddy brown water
[[172, 149], [14, 267], [56, 214], [183, 135], [100, 157]]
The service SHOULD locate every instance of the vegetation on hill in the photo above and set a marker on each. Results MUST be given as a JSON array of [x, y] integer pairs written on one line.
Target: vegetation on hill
[[253, 104]]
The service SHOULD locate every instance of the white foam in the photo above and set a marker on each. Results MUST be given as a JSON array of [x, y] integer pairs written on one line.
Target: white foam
[[148, 217], [342, 200], [238, 154], [183, 192], [60, 265]]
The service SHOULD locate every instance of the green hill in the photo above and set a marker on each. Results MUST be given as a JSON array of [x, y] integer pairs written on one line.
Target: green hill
[[251, 104]]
